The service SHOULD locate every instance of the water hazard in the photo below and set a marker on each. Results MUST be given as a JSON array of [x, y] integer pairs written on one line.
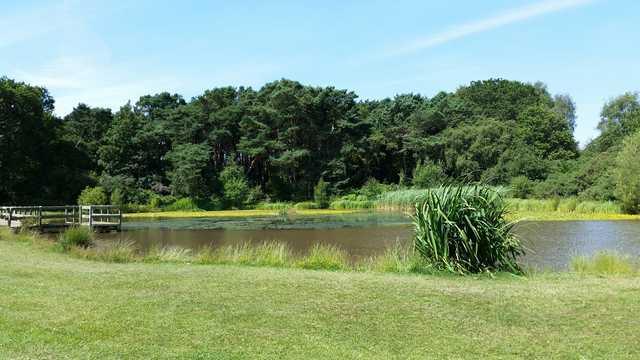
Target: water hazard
[[550, 244]]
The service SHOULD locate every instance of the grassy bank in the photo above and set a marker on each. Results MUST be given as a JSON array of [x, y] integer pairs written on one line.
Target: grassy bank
[[56, 306]]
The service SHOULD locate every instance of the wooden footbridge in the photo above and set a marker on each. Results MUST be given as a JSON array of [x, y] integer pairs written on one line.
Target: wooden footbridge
[[99, 218]]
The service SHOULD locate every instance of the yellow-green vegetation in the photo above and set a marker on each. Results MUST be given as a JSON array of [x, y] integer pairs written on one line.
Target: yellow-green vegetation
[[605, 263], [234, 213], [57, 306]]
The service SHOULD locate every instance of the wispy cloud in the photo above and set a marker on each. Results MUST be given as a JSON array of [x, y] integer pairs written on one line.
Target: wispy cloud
[[505, 18]]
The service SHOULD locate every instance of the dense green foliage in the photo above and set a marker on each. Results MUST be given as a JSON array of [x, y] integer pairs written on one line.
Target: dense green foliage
[[463, 229], [96, 196], [628, 174], [235, 147]]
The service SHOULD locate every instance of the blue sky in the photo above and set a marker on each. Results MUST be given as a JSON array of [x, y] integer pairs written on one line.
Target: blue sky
[[104, 53]]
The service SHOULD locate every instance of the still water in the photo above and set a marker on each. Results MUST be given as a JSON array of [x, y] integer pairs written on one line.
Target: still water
[[550, 244]]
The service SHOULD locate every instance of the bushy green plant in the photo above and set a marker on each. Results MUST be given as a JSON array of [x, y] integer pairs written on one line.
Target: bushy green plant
[[93, 196], [325, 257], [463, 229], [426, 175], [521, 187], [321, 194], [73, 237], [627, 174], [235, 186], [373, 188]]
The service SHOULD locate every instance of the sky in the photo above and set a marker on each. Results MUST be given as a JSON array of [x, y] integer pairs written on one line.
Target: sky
[[105, 53]]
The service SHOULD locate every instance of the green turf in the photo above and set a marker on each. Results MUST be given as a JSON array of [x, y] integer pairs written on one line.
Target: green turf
[[55, 306]]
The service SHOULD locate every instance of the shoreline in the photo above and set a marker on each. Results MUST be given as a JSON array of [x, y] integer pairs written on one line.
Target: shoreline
[[514, 216]]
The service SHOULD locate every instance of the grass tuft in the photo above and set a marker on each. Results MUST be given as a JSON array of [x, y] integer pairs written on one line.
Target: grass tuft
[[604, 263], [73, 237], [121, 251], [324, 257]]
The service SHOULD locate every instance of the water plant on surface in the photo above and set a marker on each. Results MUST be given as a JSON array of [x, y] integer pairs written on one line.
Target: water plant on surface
[[604, 263], [464, 230], [73, 237]]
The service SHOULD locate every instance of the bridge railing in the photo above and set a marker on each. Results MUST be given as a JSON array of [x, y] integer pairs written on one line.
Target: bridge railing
[[94, 216]]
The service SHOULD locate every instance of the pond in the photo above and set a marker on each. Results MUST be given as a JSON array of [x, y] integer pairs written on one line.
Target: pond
[[550, 244]]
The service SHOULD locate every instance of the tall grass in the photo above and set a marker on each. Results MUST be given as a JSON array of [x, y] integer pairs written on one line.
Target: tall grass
[[344, 204], [325, 257], [604, 263], [74, 237], [400, 199], [463, 229], [121, 251], [570, 205]]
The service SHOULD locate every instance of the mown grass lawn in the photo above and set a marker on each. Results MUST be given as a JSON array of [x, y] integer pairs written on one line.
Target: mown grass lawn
[[55, 306]]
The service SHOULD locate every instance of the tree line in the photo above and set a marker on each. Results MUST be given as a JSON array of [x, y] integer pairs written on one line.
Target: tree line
[[235, 146]]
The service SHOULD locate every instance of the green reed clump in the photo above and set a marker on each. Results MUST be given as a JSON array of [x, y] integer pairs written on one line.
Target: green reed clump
[[73, 237], [604, 263], [464, 230], [325, 257]]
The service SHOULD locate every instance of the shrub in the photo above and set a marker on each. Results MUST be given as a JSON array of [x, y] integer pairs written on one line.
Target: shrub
[[321, 194], [426, 175], [93, 196], [463, 229], [521, 187], [117, 197], [627, 174], [325, 257], [604, 263], [373, 188], [73, 237]]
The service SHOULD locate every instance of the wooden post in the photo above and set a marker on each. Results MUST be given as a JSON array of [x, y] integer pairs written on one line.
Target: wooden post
[[119, 218], [10, 216], [40, 218], [90, 218]]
